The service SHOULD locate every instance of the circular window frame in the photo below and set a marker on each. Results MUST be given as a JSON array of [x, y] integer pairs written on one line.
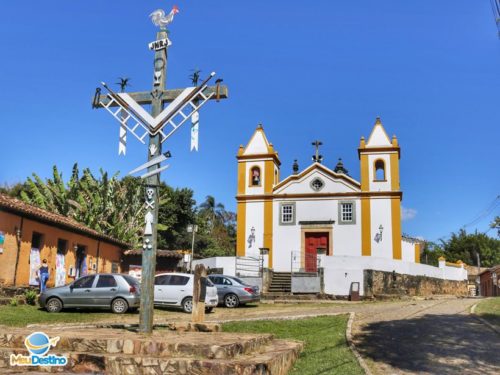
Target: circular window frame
[[315, 188]]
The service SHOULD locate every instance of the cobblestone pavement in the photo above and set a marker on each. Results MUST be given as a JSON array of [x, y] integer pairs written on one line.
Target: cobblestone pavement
[[428, 337], [400, 337]]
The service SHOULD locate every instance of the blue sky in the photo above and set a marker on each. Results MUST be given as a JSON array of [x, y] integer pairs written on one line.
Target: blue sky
[[306, 70]]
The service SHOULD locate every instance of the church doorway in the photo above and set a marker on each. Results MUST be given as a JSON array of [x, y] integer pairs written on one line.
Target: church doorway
[[314, 241]]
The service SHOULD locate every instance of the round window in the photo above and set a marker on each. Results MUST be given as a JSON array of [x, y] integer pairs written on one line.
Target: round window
[[317, 184]]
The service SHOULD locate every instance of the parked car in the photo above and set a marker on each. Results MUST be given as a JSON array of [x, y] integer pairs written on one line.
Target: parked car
[[233, 291], [176, 289], [107, 290]]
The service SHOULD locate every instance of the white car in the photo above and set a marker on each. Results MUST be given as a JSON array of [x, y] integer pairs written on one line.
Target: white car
[[176, 289]]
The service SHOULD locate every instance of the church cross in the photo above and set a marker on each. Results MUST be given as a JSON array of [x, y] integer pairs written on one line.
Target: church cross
[[317, 158]]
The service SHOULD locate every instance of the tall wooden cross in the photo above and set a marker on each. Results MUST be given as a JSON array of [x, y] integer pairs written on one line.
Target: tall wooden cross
[[157, 98]]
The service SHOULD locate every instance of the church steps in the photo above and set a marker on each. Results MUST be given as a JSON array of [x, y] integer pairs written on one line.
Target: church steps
[[274, 358]]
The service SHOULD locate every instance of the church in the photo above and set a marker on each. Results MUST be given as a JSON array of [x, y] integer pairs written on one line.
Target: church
[[320, 211]]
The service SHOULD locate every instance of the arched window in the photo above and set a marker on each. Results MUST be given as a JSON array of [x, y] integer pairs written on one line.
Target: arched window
[[379, 170], [275, 176], [255, 177]]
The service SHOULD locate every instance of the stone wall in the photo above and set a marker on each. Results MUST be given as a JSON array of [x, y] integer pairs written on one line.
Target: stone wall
[[389, 283]]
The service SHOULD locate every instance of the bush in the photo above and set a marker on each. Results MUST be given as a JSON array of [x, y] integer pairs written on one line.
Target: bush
[[13, 302], [30, 296]]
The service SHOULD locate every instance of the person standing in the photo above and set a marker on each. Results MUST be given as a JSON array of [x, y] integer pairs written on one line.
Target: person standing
[[43, 275]]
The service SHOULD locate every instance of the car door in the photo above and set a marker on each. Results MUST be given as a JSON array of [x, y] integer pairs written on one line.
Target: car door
[[80, 293], [105, 290], [160, 293], [178, 288], [217, 280]]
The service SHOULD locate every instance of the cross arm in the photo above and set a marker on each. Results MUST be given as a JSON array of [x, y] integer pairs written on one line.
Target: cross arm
[[145, 97]]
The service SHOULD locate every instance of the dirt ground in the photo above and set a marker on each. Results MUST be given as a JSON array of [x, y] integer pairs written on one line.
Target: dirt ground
[[400, 337]]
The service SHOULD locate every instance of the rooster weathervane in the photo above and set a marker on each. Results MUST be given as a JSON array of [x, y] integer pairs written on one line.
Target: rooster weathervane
[[161, 20]]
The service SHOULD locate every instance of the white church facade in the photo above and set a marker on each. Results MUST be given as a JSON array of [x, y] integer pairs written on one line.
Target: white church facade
[[319, 210]]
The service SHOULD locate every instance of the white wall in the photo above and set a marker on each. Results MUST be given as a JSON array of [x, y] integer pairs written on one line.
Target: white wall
[[340, 271], [227, 263], [255, 219], [381, 215], [408, 251], [287, 238], [379, 185]]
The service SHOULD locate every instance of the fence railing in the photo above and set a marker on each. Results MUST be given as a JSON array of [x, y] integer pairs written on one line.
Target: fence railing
[[249, 266], [304, 262]]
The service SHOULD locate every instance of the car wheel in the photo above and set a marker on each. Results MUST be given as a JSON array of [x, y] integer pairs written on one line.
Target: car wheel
[[119, 306], [54, 305], [208, 310], [231, 300], [187, 305]]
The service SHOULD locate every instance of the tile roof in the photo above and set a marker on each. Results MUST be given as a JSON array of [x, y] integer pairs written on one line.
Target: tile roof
[[159, 253], [16, 206]]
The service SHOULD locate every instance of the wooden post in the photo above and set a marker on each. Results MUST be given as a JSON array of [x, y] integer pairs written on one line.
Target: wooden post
[[149, 256], [199, 293]]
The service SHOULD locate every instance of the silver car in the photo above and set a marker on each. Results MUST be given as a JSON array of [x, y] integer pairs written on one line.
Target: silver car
[[233, 291], [110, 291]]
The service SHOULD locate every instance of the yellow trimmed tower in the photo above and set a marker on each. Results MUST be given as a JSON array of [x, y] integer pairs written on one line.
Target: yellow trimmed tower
[[258, 173], [380, 194]]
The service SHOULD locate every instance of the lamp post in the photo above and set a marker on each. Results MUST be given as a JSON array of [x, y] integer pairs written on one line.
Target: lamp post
[[494, 279], [192, 228]]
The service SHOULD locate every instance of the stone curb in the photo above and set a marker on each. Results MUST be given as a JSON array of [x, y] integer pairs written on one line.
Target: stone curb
[[350, 342], [484, 321]]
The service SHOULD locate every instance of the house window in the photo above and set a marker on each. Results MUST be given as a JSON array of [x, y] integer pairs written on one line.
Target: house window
[[379, 170], [36, 240], [62, 246], [287, 214], [255, 176], [347, 212]]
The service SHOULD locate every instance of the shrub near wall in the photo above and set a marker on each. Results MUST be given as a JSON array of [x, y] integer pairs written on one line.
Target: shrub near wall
[[380, 282]]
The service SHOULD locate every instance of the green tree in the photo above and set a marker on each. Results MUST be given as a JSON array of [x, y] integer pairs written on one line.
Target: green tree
[[496, 225], [431, 253], [463, 246]]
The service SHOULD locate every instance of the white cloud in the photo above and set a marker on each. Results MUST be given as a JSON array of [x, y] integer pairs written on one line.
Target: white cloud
[[408, 213]]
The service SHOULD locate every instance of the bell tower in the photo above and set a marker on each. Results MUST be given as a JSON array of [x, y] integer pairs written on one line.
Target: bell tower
[[258, 173], [381, 193]]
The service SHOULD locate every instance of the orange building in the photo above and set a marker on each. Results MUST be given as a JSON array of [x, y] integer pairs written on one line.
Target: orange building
[[30, 234]]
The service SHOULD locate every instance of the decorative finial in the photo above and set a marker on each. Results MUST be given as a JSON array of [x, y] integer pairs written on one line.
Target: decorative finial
[[362, 142], [159, 19], [295, 167], [339, 168], [394, 140], [378, 121], [259, 126]]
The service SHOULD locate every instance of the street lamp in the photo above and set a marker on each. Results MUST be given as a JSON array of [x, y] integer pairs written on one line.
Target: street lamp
[[494, 278], [192, 228]]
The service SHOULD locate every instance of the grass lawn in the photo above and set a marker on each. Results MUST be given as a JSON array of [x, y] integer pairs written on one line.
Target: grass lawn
[[23, 315], [490, 310], [325, 350]]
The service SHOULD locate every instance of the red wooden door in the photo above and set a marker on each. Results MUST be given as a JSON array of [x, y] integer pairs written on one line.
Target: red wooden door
[[314, 240]]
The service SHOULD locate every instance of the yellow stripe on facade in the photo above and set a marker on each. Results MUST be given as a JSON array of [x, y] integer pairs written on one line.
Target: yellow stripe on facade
[[365, 174], [268, 229], [366, 237], [396, 228], [394, 172], [241, 178], [240, 228], [417, 252]]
